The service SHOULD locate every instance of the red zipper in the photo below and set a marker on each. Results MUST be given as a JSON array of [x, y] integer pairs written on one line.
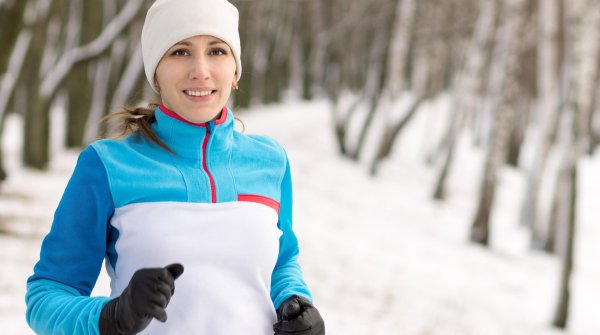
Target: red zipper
[[213, 189]]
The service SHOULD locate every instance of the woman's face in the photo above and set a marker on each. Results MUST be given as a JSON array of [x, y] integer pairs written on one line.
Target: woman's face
[[195, 77]]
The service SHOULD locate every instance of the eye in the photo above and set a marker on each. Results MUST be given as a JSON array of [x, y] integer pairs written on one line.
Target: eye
[[217, 52], [180, 52]]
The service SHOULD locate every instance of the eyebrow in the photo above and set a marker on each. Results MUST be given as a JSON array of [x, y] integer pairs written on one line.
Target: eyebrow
[[186, 43], [216, 42]]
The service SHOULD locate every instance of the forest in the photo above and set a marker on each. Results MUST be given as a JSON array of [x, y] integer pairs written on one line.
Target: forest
[[522, 76]]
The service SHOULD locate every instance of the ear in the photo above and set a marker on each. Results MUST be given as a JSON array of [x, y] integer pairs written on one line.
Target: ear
[[234, 84]]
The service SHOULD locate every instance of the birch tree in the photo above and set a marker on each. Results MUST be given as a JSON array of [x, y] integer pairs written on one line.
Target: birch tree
[[595, 116], [500, 103], [546, 116], [78, 82], [401, 38], [566, 202], [35, 147], [588, 49], [526, 79], [12, 64], [466, 88], [575, 143], [359, 103]]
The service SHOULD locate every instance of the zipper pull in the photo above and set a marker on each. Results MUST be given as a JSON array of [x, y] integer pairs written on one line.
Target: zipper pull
[[210, 127]]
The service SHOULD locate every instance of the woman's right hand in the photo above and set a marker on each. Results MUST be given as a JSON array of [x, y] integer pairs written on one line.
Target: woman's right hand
[[146, 297]]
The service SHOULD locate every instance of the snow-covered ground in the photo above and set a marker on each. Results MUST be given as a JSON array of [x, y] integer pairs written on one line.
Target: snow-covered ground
[[380, 256]]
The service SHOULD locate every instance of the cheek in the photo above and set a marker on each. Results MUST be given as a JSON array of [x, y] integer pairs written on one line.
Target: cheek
[[230, 69], [165, 78], [159, 77]]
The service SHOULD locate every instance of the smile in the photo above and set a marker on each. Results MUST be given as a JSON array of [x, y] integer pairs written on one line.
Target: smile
[[198, 93]]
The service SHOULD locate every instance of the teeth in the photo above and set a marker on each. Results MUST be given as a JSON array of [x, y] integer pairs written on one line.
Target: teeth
[[198, 93]]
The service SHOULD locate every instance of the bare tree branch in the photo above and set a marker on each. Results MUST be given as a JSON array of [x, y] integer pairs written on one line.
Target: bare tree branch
[[91, 50], [15, 64]]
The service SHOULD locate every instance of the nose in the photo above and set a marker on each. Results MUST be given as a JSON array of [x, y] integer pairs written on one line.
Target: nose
[[199, 68]]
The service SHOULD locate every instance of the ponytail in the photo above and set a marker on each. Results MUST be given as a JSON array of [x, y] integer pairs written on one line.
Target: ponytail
[[129, 120]]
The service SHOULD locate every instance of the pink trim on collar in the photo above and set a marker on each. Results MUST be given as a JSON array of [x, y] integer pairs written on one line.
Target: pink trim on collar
[[176, 116]]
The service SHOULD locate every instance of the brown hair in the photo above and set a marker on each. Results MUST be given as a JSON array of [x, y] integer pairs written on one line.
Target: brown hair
[[129, 120]]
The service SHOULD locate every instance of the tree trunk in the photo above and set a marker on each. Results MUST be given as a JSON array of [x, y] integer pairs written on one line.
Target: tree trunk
[[471, 83], [14, 71], [317, 48], [595, 118], [132, 75], [480, 231], [98, 108], [562, 311], [466, 88], [259, 54], [16, 38], [574, 146], [104, 76], [296, 52], [399, 47], [452, 133], [372, 91], [588, 51], [342, 116], [37, 120], [517, 135], [567, 216], [365, 96], [501, 104], [546, 115], [391, 133], [11, 16], [398, 56], [3, 173], [79, 81]]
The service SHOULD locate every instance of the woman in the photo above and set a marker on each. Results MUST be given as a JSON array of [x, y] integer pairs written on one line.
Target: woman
[[184, 189]]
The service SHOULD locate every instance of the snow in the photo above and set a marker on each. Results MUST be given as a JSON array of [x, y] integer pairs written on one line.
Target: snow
[[380, 256]]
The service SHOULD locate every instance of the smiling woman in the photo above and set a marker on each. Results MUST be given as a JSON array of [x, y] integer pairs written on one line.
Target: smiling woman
[[183, 187]]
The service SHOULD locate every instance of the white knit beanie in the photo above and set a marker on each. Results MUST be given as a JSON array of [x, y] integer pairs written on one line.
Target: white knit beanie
[[171, 21]]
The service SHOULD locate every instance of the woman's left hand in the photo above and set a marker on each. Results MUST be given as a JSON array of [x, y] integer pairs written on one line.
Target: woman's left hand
[[298, 316]]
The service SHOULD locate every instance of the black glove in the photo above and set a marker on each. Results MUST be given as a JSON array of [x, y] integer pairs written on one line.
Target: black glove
[[146, 297], [298, 316]]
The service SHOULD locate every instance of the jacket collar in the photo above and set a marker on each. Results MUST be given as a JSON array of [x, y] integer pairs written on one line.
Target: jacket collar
[[186, 138]]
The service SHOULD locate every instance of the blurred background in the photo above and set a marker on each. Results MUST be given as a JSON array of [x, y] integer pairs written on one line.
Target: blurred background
[[465, 129]]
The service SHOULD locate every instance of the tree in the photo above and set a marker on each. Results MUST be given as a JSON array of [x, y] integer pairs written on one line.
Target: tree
[[352, 104], [575, 143], [466, 87], [78, 82], [500, 103], [401, 39], [546, 118], [12, 60]]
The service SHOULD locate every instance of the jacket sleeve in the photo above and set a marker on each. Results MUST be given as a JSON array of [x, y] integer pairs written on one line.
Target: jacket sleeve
[[287, 279], [58, 293]]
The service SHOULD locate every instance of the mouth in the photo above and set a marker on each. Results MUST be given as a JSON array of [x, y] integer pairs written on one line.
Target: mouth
[[199, 93]]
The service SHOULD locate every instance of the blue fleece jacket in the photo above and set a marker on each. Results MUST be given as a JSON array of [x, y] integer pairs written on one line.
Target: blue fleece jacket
[[221, 205]]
